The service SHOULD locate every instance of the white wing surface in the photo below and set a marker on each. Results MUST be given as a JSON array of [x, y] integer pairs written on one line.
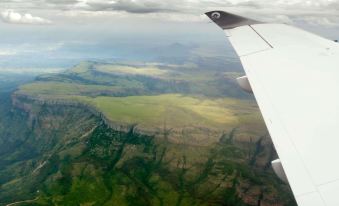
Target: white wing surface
[[294, 76]]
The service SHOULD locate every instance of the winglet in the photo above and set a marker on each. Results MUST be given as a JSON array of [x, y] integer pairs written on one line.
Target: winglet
[[229, 21]]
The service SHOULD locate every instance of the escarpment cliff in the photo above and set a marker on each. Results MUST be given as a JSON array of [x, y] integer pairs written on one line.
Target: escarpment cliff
[[110, 134], [200, 134], [68, 155]]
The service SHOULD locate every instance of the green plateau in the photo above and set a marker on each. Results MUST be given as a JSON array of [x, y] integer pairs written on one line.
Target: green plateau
[[135, 134]]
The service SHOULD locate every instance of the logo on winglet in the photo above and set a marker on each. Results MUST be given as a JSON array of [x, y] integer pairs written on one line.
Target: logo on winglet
[[215, 15]]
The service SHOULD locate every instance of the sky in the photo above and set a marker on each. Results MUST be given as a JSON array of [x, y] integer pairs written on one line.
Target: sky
[[60, 33]]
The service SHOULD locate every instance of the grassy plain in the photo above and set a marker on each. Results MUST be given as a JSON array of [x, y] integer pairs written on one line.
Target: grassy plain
[[149, 96]]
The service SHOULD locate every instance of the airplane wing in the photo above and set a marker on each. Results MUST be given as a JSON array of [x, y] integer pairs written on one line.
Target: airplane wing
[[294, 76]]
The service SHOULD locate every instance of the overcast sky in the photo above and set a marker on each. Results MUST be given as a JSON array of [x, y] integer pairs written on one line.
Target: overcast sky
[[80, 29]]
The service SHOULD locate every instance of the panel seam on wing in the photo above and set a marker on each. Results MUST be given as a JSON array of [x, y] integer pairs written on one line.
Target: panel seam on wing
[[261, 36], [327, 183], [308, 193], [263, 50]]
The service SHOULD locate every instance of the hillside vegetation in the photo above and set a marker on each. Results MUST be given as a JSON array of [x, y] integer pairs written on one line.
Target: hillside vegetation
[[95, 79], [144, 96], [151, 134]]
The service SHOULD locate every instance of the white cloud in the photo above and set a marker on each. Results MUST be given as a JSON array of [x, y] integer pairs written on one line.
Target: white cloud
[[322, 21], [284, 19], [31, 70], [29, 48], [12, 17], [7, 53]]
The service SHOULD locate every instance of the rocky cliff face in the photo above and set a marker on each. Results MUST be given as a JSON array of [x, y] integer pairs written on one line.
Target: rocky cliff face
[[66, 154], [31, 135], [201, 136]]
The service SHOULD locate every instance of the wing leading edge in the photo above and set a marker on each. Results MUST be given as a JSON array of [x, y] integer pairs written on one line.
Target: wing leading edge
[[294, 76]]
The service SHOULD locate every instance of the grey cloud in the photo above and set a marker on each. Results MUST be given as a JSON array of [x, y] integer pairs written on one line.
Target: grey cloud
[[136, 6], [285, 10], [62, 1], [131, 6], [150, 6]]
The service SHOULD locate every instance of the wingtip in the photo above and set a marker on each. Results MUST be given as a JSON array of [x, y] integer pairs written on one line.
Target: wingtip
[[228, 20]]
